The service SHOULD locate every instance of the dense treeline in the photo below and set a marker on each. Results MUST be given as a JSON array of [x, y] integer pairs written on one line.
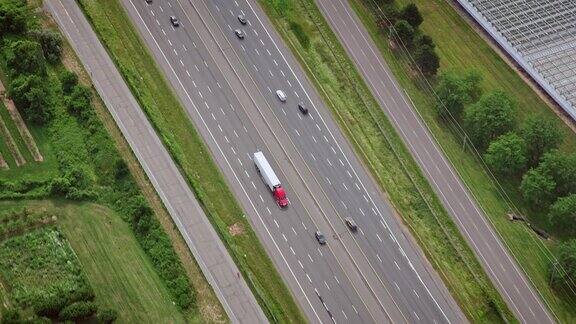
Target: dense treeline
[[90, 167]]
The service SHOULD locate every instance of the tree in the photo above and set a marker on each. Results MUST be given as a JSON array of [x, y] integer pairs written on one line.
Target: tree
[[13, 16], [404, 32], [30, 97], [24, 56], [507, 155], [562, 168], [51, 43], [541, 135], [412, 15], [79, 100], [563, 214], [490, 117], [563, 274], [78, 310], [427, 60], [455, 91], [422, 39], [538, 189]]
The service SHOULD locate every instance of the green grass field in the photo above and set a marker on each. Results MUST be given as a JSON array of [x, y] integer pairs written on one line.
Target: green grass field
[[185, 145], [117, 268], [461, 49], [382, 150]]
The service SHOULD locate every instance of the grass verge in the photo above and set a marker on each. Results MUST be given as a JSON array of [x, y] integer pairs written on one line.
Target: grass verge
[[459, 50], [376, 141], [116, 267], [170, 120]]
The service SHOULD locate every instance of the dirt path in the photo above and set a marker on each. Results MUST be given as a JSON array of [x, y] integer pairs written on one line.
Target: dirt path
[[11, 144], [23, 130], [3, 164]]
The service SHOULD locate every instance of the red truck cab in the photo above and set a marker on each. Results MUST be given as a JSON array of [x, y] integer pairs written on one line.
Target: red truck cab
[[280, 196]]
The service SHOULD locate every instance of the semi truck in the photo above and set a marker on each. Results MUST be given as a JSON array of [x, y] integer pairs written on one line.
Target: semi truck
[[270, 179]]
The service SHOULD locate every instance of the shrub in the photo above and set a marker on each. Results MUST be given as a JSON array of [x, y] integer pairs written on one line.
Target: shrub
[[69, 80], [107, 316], [13, 16], [77, 311], [11, 316], [300, 34], [51, 43], [120, 169], [25, 56], [78, 102]]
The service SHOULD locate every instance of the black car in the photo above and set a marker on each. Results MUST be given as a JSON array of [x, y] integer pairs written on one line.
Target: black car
[[242, 19], [302, 108], [239, 33], [148, 1], [320, 237], [351, 224], [174, 21]]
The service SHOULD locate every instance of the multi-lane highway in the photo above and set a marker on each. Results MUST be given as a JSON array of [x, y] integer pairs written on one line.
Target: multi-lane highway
[[500, 266], [228, 87]]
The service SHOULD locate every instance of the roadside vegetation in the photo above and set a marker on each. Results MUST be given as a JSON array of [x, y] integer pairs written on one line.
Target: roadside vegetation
[[514, 153], [189, 151], [81, 168], [303, 27]]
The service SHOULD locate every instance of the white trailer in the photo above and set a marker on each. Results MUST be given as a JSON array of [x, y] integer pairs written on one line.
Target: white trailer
[[270, 178]]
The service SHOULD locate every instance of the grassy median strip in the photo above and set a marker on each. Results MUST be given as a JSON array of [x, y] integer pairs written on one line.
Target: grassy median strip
[[463, 49], [301, 24], [175, 128]]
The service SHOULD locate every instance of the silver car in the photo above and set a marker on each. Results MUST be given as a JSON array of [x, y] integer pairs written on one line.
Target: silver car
[[281, 95]]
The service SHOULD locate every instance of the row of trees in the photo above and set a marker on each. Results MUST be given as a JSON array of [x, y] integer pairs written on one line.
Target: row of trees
[[403, 24], [526, 155]]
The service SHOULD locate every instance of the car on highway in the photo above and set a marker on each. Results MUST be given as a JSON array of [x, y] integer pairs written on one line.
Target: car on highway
[[351, 224], [174, 21], [302, 108], [320, 237], [281, 95], [242, 19], [148, 1], [239, 33]]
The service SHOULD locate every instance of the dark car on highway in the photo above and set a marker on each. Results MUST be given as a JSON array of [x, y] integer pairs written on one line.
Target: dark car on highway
[[174, 21], [302, 109], [320, 237], [239, 33], [242, 19]]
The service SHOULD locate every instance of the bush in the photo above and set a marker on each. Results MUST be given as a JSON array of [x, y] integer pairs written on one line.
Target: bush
[[25, 57], [107, 316], [300, 34], [77, 311], [51, 43], [69, 80], [120, 169], [78, 102], [412, 15], [11, 316], [13, 16]]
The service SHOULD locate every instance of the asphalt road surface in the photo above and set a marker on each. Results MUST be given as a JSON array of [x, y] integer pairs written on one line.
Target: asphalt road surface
[[210, 253], [508, 278], [228, 87]]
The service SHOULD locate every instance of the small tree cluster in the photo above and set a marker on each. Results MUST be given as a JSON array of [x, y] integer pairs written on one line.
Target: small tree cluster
[[30, 96], [51, 43], [405, 30], [455, 91], [13, 16]]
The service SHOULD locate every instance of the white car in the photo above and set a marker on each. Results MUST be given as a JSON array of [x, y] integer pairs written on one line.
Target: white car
[[281, 95]]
